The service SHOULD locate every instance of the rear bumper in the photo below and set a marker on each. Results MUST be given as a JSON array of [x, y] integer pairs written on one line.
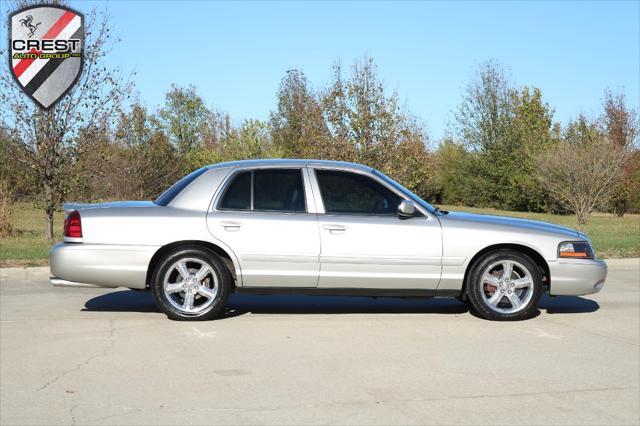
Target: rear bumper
[[57, 282], [577, 277], [102, 265]]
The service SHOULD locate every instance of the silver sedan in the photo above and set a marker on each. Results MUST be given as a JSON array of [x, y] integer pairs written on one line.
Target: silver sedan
[[316, 227]]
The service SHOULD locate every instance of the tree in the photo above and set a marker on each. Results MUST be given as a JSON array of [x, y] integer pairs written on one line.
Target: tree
[[48, 139], [531, 133], [620, 125], [367, 126], [453, 174], [410, 163], [298, 127], [506, 130], [150, 161], [620, 122], [185, 118], [632, 179], [250, 141], [483, 118], [360, 115], [580, 172], [482, 123]]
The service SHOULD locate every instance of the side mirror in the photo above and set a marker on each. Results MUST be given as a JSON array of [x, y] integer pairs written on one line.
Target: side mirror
[[406, 209]]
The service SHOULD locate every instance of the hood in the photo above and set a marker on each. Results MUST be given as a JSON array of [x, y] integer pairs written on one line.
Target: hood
[[511, 222], [82, 206]]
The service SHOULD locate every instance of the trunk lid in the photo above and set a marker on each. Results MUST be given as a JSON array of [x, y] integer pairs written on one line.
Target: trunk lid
[[68, 207]]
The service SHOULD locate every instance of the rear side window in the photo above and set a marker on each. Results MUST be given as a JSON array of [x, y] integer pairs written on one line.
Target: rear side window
[[278, 190], [171, 193], [352, 193], [265, 190], [238, 194]]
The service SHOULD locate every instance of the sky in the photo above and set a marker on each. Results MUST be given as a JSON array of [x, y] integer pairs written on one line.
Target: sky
[[237, 53]]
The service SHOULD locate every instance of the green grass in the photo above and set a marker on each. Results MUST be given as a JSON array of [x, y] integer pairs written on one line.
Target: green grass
[[28, 247], [611, 236]]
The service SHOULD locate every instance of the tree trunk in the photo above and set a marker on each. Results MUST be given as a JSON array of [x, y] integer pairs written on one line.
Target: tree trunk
[[49, 225], [49, 210], [583, 218], [48, 145]]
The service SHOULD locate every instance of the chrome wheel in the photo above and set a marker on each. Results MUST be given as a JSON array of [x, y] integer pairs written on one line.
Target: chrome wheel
[[190, 285], [506, 286]]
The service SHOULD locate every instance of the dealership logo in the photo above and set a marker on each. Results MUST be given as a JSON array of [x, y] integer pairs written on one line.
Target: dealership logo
[[47, 51]]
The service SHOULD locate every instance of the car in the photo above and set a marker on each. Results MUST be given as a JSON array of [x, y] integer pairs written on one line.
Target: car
[[317, 228]]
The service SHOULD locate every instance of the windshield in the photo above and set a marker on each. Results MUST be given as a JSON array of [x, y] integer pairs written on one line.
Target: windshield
[[168, 195], [405, 191]]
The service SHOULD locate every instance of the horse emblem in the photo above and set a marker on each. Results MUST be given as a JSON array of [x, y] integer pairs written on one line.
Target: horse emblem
[[28, 22]]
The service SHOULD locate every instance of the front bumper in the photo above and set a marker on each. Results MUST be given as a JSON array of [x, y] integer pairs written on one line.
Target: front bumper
[[577, 277], [103, 265]]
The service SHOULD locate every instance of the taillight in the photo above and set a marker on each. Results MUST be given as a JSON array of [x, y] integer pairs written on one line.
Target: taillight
[[73, 225]]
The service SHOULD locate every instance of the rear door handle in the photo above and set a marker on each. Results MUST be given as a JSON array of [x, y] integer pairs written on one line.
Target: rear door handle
[[335, 229], [231, 226]]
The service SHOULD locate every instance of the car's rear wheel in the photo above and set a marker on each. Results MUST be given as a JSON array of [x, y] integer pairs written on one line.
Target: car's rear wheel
[[505, 285], [191, 283]]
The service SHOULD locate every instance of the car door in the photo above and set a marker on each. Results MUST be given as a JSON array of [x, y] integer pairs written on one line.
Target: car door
[[365, 244], [264, 216]]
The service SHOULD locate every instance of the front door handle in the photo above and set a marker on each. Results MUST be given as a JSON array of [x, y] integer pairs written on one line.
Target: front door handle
[[231, 226], [335, 229]]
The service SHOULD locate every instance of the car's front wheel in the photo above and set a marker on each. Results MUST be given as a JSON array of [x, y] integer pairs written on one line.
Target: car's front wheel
[[191, 283], [505, 285]]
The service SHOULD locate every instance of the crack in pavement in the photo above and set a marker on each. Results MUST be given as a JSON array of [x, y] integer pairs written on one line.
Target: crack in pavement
[[87, 361], [427, 399], [73, 417], [134, 410]]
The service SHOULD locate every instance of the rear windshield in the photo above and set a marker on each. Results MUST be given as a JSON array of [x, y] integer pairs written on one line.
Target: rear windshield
[[168, 195]]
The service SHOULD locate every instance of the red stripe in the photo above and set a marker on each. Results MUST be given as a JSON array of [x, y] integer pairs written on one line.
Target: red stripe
[[59, 26], [23, 64], [53, 32]]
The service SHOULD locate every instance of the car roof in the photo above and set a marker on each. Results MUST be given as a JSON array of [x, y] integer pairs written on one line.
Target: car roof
[[286, 162]]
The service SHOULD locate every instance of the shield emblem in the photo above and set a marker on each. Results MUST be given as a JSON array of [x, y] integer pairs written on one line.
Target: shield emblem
[[47, 51]]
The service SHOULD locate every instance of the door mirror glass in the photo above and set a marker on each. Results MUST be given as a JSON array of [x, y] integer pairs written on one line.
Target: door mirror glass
[[406, 208]]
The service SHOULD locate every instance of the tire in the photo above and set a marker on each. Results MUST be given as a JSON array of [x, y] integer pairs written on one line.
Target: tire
[[496, 296], [191, 284]]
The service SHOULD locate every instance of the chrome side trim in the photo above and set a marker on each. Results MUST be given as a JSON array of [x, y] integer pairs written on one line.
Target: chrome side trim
[[453, 261], [380, 260], [289, 258], [59, 282], [347, 291]]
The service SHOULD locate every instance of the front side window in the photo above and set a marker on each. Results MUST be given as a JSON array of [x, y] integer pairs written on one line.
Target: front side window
[[352, 193], [265, 190]]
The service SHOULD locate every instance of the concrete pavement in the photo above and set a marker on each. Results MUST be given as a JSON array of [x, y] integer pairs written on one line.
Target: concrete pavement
[[94, 356]]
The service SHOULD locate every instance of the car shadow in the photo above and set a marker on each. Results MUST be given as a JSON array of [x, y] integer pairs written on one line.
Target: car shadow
[[298, 304], [239, 304], [122, 301], [567, 304]]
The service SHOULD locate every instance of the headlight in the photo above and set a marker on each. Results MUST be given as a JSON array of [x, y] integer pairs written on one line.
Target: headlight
[[575, 250]]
